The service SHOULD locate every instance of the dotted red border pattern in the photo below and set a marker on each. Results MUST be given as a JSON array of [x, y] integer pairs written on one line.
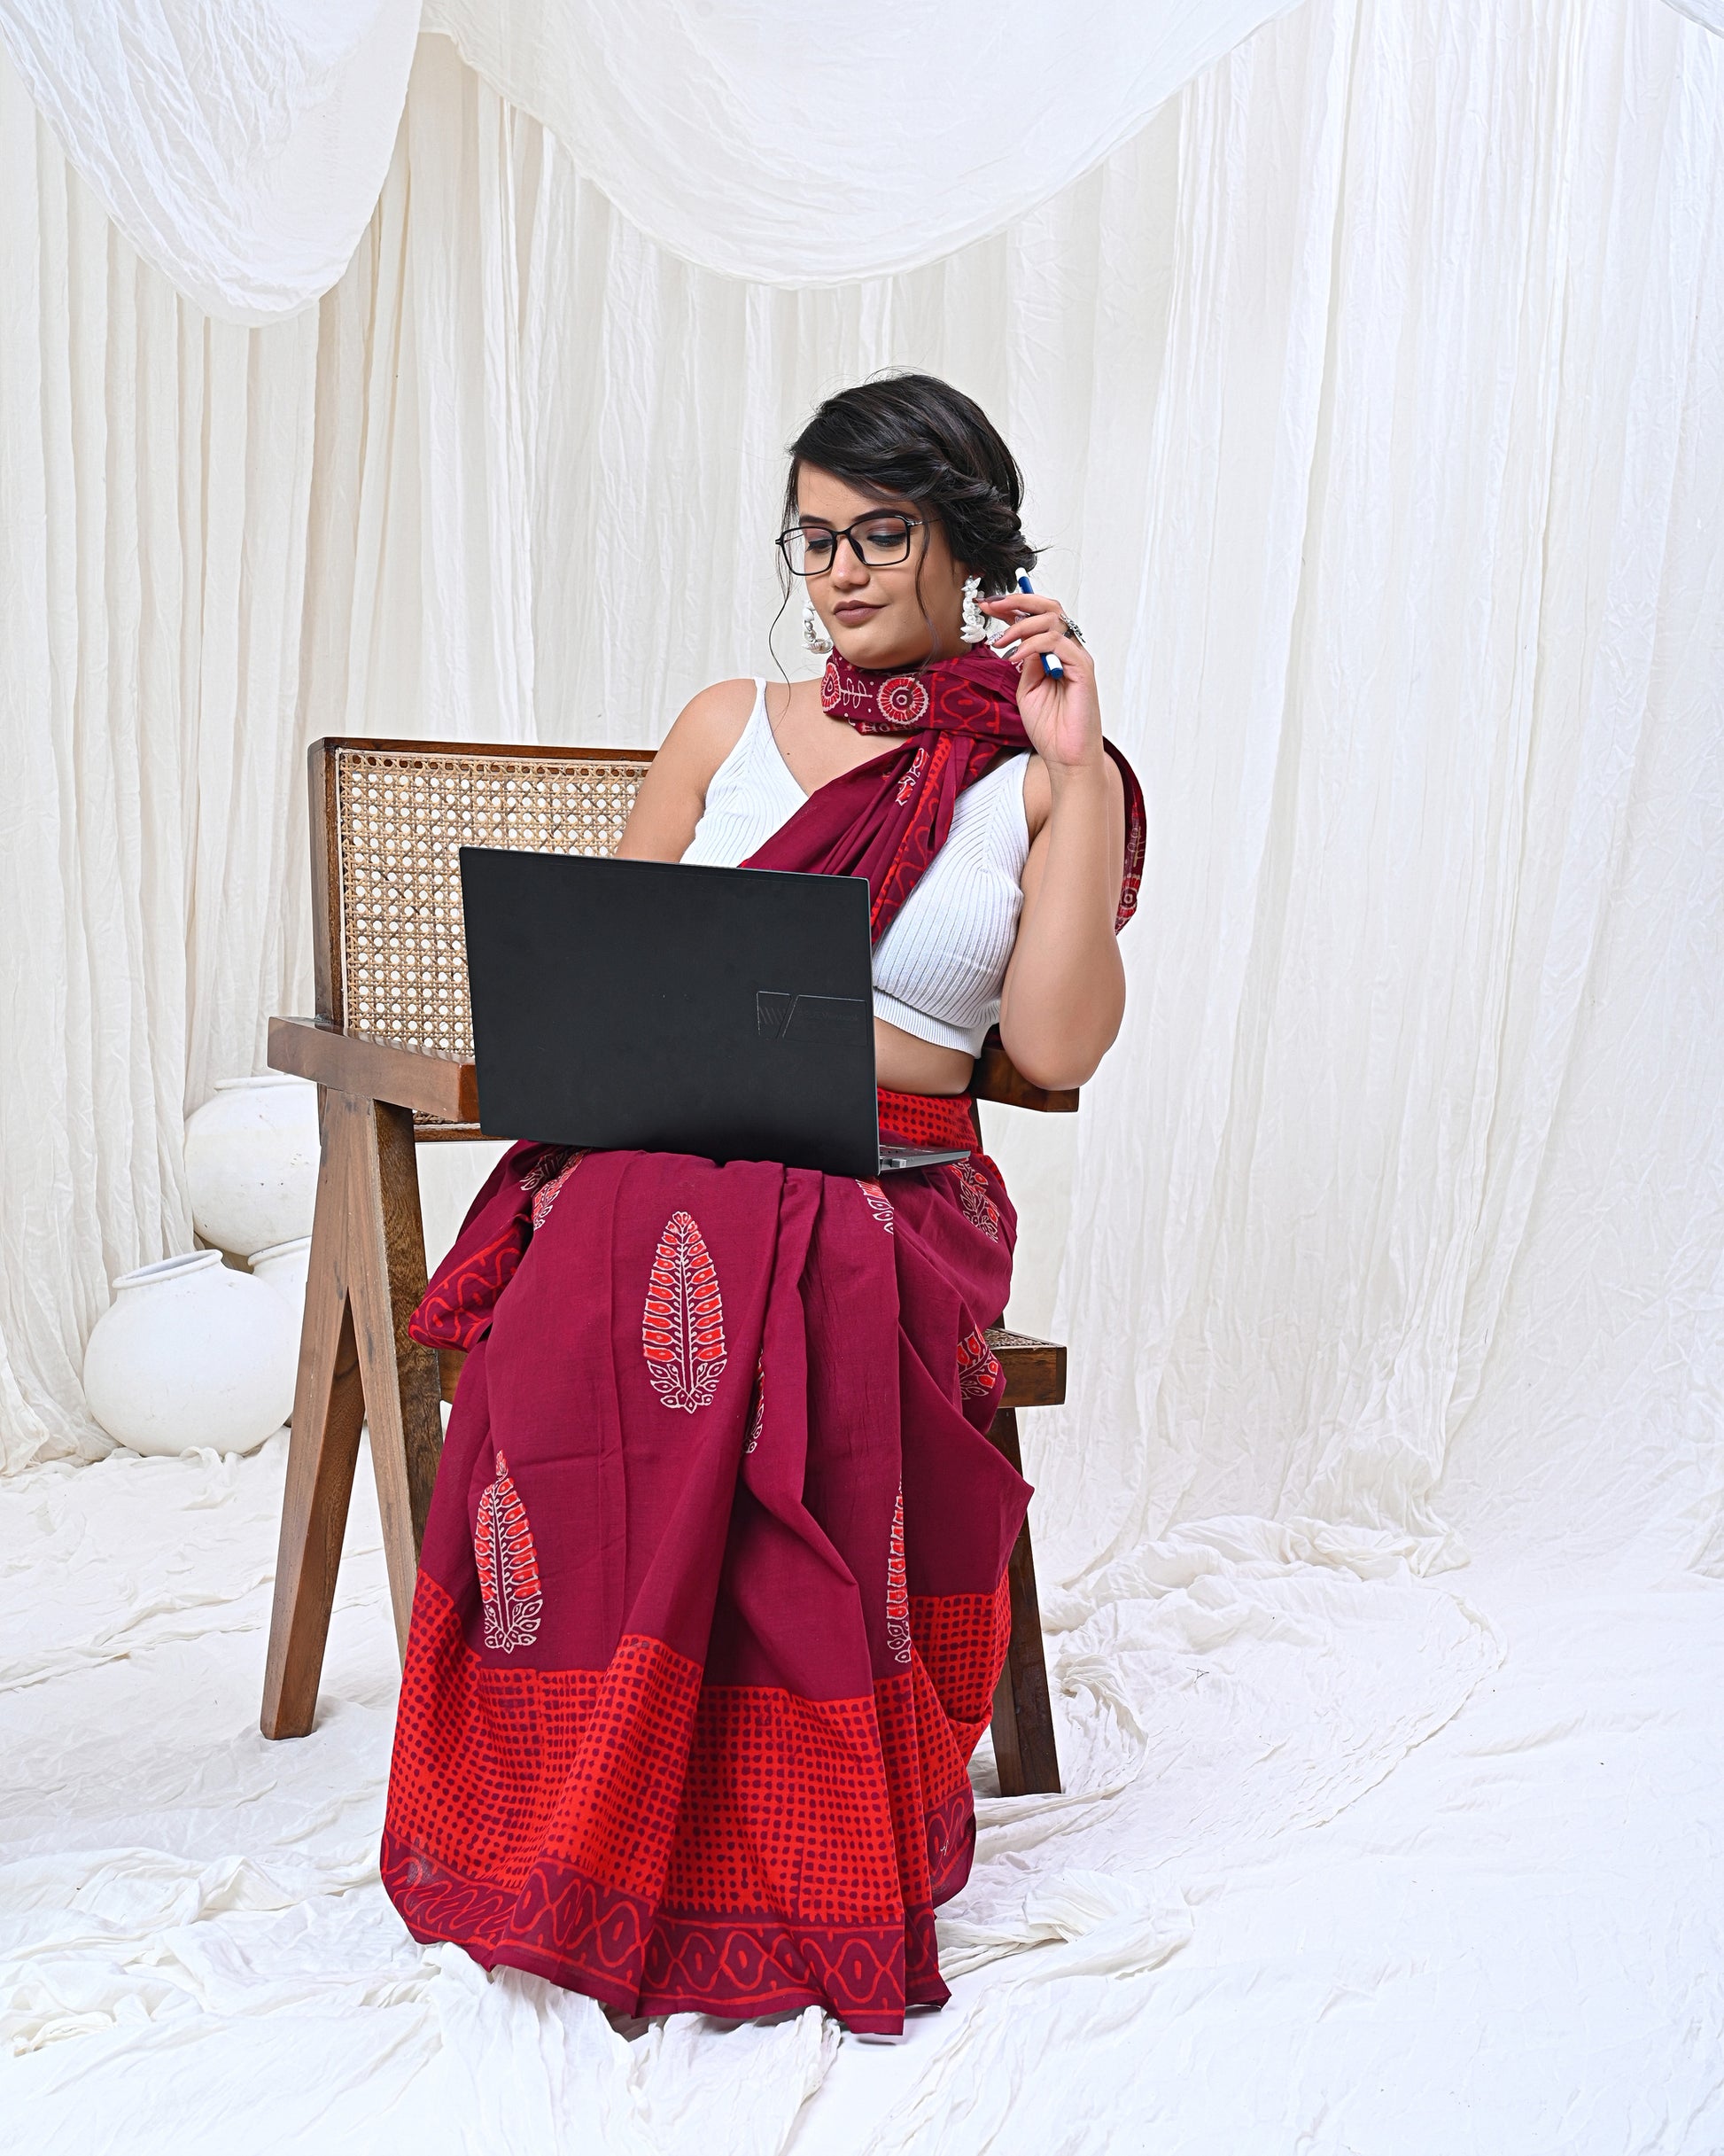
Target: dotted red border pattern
[[665, 1846], [923, 1119]]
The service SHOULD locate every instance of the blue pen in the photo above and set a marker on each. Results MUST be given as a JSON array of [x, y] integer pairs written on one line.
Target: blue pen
[[1050, 664]]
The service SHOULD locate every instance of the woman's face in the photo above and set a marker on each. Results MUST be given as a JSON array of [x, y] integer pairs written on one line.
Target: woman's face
[[876, 616]]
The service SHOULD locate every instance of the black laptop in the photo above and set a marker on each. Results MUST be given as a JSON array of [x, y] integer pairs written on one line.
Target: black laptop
[[723, 1012]]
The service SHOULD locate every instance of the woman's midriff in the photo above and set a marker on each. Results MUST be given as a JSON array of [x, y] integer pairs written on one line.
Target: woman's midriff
[[908, 1065]]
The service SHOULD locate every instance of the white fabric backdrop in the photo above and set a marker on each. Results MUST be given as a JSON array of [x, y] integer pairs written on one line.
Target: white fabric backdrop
[[155, 471], [240, 144], [783, 143], [1413, 1139], [1372, 411]]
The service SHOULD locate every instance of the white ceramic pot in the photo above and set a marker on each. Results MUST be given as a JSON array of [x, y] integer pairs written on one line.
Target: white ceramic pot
[[285, 1267], [251, 1157], [189, 1353]]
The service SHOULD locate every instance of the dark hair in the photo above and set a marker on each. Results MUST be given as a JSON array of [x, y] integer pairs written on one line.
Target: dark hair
[[915, 436]]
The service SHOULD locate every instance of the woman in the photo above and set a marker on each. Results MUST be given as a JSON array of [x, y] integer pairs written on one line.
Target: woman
[[690, 1695]]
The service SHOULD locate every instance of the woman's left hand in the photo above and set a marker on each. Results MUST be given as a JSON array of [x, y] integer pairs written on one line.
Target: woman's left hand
[[1062, 716]]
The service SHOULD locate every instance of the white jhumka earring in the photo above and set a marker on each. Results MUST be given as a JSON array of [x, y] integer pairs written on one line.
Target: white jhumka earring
[[813, 629], [975, 623]]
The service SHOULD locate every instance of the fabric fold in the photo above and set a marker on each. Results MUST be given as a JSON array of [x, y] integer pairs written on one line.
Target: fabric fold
[[711, 1604], [242, 149]]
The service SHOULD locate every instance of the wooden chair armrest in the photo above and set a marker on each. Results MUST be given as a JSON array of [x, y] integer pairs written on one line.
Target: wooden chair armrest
[[1034, 1369], [443, 1087], [996, 1077], [440, 1086]]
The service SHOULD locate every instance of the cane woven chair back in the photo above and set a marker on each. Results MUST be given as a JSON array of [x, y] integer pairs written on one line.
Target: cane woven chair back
[[393, 963]]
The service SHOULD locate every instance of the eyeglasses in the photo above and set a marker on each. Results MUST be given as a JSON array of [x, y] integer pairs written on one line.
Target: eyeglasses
[[876, 541]]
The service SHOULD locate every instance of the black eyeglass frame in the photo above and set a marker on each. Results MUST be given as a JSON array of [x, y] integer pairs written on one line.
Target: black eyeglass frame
[[796, 531]]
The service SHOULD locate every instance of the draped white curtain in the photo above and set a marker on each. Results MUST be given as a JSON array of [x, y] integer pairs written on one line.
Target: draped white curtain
[[155, 472], [1370, 407], [240, 144], [1402, 1198]]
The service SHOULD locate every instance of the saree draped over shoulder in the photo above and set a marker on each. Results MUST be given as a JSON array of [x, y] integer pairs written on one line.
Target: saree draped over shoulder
[[712, 1598]]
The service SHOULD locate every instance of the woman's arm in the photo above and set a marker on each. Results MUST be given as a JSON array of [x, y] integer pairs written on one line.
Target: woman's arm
[[673, 793], [1064, 988]]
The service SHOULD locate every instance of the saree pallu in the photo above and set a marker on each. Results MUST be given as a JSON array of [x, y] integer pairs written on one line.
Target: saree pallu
[[712, 1598]]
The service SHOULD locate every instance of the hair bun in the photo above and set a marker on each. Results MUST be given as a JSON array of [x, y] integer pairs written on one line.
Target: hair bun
[[914, 435]]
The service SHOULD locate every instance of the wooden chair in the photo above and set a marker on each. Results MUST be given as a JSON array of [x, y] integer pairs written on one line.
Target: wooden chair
[[390, 1051]]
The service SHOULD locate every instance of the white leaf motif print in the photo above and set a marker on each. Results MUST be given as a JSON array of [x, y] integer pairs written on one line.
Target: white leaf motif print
[[682, 1326], [879, 1204], [897, 1590], [507, 1565]]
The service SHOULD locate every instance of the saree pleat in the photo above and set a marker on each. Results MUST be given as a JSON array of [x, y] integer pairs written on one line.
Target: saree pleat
[[711, 1603]]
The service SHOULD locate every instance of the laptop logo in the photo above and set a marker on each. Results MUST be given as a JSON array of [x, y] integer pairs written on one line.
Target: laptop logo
[[781, 1015]]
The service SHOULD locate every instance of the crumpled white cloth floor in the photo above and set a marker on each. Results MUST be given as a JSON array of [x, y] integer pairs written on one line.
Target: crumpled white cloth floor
[[1349, 1861]]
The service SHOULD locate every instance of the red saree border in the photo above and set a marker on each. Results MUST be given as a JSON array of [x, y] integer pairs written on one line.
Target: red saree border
[[612, 1946], [647, 1952]]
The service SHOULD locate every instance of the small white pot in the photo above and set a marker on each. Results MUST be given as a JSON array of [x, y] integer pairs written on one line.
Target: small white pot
[[285, 1268], [191, 1353], [251, 1158]]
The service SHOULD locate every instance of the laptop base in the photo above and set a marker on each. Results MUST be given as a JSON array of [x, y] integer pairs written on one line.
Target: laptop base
[[898, 1162]]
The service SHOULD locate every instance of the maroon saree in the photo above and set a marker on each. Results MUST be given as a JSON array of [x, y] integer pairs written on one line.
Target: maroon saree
[[712, 1602], [713, 1599]]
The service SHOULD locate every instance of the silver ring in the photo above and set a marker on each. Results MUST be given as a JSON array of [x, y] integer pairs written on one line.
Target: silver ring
[[1073, 631]]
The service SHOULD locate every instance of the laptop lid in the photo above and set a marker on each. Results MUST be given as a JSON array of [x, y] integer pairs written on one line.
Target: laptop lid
[[725, 1011]]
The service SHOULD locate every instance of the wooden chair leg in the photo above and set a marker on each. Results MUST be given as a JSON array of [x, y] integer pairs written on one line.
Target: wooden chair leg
[[366, 1274], [1024, 1747], [403, 1389], [329, 1406]]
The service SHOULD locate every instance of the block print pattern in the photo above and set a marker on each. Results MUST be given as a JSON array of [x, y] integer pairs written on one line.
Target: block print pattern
[[666, 1847], [978, 1366], [682, 1327], [878, 1203], [898, 1597], [507, 1565], [547, 1185], [979, 1208]]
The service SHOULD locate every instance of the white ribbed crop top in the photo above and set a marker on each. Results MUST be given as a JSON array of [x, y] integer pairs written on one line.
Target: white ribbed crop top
[[939, 967]]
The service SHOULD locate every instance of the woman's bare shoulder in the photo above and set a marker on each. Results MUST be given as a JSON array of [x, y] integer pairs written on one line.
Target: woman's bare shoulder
[[669, 803], [709, 726]]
